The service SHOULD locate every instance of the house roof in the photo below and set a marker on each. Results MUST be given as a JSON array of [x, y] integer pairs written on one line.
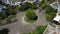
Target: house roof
[[2, 7], [30, 0], [58, 2], [54, 5], [16, 0], [57, 18]]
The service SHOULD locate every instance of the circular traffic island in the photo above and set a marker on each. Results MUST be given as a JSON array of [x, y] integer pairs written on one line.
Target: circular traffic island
[[30, 16]]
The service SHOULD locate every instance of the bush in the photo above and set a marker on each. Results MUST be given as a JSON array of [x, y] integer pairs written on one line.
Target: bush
[[10, 11], [0, 18], [10, 18], [2, 15], [43, 5], [50, 13], [26, 6], [31, 15], [17, 8], [41, 2]]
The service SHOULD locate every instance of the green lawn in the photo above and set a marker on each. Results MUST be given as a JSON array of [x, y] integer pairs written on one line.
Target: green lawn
[[39, 30], [28, 20]]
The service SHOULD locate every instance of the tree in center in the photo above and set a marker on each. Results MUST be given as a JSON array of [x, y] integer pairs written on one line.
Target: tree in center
[[31, 14]]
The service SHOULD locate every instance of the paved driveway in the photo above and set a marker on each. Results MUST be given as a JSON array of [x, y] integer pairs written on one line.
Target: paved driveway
[[22, 26]]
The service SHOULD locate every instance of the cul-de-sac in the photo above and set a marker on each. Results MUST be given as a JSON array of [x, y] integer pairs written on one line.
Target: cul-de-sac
[[29, 16]]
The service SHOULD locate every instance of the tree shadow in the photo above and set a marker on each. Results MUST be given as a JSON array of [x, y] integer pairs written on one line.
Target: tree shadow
[[4, 31], [57, 23]]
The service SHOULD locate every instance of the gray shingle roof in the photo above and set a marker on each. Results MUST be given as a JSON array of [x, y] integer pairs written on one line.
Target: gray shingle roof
[[58, 2], [14, 0]]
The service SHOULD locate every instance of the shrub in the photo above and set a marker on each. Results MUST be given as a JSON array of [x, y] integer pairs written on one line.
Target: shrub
[[50, 13], [10, 18], [10, 11], [2, 15], [26, 6], [41, 2]]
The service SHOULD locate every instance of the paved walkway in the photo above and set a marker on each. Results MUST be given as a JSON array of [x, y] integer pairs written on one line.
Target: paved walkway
[[52, 29], [22, 26]]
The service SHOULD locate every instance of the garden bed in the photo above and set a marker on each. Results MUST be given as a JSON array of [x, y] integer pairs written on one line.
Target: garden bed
[[39, 30]]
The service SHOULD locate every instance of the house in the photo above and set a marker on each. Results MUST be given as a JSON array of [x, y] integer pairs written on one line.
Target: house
[[31, 1], [57, 18], [16, 2], [56, 5], [2, 8], [11, 2]]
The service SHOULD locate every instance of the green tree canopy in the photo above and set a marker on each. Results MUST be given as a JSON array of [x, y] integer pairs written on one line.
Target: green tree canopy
[[50, 13], [30, 14], [27, 5]]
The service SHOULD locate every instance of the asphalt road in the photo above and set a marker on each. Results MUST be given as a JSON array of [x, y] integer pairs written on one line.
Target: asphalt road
[[22, 26]]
